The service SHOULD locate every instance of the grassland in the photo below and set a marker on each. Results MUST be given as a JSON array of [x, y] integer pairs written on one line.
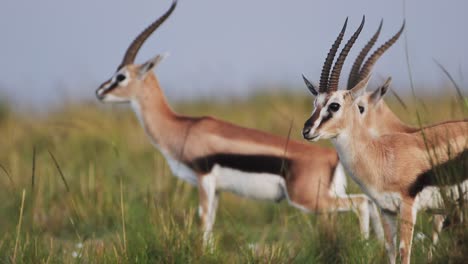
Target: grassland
[[82, 184]]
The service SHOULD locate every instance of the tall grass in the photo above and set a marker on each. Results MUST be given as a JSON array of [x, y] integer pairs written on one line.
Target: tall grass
[[96, 191]]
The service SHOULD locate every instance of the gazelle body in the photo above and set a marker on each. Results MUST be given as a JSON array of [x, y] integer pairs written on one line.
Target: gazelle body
[[397, 170], [218, 156]]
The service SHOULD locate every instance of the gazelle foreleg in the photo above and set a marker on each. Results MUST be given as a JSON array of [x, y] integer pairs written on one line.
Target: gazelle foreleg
[[408, 213], [208, 200], [390, 228], [358, 203]]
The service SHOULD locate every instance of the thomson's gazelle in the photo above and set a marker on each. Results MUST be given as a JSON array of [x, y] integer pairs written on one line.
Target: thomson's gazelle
[[380, 120], [393, 169], [218, 156]]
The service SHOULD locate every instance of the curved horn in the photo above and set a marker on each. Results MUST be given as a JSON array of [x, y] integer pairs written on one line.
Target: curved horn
[[335, 75], [354, 73], [329, 60], [366, 69], [135, 46]]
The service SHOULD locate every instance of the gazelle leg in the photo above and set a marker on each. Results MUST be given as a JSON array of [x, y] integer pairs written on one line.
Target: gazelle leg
[[208, 205], [408, 213], [437, 224], [390, 227], [358, 203], [376, 221]]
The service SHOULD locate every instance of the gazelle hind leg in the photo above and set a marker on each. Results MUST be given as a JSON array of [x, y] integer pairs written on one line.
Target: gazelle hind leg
[[437, 225], [207, 210]]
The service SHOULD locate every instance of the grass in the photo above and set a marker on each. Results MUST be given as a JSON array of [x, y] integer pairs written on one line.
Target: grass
[[82, 184]]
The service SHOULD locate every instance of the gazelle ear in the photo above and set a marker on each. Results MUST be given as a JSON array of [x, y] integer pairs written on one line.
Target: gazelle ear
[[310, 86], [360, 88], [149, 65], [381, 91]]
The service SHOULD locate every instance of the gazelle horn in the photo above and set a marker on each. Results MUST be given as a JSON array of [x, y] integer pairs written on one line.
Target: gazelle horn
[[135, 46], [323, 87], [335, 75], [366, 69], [354, 73]]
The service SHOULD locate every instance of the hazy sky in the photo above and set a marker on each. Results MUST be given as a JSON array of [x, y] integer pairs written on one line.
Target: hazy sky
[[55, 49]]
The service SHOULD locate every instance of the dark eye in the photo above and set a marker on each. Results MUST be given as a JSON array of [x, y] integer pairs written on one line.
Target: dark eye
[[361, 109], [120, 77], [334, 107]]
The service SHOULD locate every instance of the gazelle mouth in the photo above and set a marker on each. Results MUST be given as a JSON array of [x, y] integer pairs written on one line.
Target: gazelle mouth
[[311, 138]]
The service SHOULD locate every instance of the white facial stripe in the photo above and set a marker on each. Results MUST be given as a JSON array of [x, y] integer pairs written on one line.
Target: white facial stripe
[[113, 98], [123, 72]]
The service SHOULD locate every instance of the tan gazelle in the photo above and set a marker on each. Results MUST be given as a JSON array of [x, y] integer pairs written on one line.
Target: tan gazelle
[[394, 169], [380, 119], [218, 156]]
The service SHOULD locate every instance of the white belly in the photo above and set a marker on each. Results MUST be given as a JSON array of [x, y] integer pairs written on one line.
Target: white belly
[[432, 197], [262, 186]]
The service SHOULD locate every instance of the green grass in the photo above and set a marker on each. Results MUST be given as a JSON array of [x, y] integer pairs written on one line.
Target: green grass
[[123, 206]]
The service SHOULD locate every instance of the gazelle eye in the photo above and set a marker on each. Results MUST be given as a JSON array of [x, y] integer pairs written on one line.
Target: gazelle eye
[[334, 107], [361, 109], [120, 77]]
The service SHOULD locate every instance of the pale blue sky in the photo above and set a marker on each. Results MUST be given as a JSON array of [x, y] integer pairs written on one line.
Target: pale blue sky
[[56, 49]]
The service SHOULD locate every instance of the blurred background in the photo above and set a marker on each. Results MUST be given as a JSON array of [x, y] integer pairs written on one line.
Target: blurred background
[[52, 50]]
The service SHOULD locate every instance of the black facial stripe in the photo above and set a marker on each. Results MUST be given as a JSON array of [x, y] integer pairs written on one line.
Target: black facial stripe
[[111, 87], [310, 122], [448, 173], [247, 163]]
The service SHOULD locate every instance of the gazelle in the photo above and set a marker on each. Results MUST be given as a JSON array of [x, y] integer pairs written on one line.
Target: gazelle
[[379, 118], [394, 169], [218, 156]]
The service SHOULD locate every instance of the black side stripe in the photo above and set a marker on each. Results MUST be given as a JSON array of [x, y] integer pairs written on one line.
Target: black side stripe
[[452, 172], [247, 163]]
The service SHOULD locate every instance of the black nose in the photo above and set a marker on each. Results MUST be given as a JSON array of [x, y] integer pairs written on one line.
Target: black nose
[[305, 132]]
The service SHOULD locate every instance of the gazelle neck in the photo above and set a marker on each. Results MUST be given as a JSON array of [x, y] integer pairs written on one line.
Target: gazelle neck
[[351, 144], [160, 122], [391, 123]]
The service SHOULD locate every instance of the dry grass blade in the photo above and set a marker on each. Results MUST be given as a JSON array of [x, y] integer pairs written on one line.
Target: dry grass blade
[[33, 174], [288, 138], [59, 170], [18, 229], [8, 175], [399, 99], [454, 83]]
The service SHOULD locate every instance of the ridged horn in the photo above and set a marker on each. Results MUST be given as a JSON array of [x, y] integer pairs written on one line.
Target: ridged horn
[[354, 73], [366, 69], [136, 44], [323, 86], [335, 75]]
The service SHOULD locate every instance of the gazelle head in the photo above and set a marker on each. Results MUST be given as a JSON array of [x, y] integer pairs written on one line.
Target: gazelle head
[[329, 117], [129, 77]]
